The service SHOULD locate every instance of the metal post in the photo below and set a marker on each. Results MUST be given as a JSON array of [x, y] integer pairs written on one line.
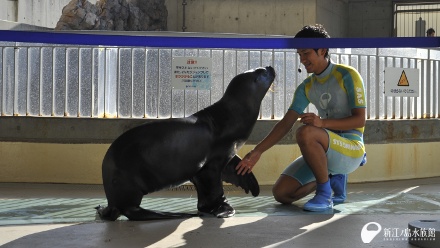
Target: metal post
[[184, 3]]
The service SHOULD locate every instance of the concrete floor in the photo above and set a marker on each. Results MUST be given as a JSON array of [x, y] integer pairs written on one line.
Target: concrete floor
[[60, 215]]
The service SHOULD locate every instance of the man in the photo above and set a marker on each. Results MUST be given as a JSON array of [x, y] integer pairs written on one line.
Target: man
[[331, 143], [430, 32]]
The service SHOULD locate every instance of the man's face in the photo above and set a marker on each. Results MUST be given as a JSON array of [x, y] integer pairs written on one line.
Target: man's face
[[313, 61]]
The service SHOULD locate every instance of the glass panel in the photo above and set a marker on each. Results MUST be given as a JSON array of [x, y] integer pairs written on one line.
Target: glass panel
[[204, 96], [414, 100], [217, 86], [255, 59], [152, 84], [34, 82], [267, 103], [85, 82], [291, 80], [424, 111], [363, 70], [59, 84], [404, 103], [46, 81], [436, 79], [389, 101], [8, 81], [430, 89], [354, 61], [373, 101], [191, 94], [178, 95], [242, 61], [382, 100], [21, 74], [164, 92], [230, 67], [139, 60], [111, 83], [98, 89], [397, 113], [72, 87], [125, 83], [279, 85]]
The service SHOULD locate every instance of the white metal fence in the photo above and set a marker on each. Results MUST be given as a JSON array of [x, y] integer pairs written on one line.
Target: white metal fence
[[124, 82]]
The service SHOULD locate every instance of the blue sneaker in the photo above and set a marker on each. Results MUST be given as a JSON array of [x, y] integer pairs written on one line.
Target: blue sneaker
[[364, 159], [339, 186], [322, 200]]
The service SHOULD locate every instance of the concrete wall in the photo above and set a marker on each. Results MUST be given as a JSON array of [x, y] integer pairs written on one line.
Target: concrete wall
[[81, 163], [42, 13], [278, 17], [342, 18], [368, 18], [333, 14], [70, 150], [9, 25], [8, 11]]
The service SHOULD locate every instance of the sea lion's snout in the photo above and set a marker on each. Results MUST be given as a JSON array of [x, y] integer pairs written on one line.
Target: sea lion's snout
[[271, 71], [267, 74]]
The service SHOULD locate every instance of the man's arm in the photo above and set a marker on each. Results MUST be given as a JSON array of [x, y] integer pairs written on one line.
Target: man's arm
[[276, 134]]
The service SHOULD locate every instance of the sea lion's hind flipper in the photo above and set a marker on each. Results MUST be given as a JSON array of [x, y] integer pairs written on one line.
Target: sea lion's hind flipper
[[248, 182], [138, 213], [107, 213]]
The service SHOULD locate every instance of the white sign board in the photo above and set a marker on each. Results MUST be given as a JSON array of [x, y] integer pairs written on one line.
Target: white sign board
[[191, 73], [401, 81]]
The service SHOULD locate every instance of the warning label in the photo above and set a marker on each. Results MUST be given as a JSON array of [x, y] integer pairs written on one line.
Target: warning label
[[401, 82], [191, 73]]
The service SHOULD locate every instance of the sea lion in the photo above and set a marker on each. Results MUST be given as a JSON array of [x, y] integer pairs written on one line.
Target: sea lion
[[200, 148]]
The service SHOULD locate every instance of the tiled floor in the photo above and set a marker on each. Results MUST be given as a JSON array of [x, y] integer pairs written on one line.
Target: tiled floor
[[60, 215]]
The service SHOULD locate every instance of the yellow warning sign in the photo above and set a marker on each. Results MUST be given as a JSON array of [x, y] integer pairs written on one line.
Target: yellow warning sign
[[403, 81]]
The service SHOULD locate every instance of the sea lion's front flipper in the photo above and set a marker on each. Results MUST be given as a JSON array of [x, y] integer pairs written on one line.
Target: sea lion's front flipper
[[248, 182]]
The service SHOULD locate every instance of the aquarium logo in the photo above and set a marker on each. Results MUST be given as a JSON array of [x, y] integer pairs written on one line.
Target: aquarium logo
[[368, 235]]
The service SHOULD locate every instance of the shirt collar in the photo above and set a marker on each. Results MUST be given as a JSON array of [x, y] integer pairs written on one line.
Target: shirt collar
[[326, 72]]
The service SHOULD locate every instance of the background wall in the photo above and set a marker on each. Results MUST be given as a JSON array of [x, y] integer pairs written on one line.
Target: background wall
[[334, 15], [368, 18], [8, 11], [43, 13], [278, 17], [342, 18], [35, 149]]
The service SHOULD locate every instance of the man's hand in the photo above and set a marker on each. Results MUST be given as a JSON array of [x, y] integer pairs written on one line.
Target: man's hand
[[311, 119], [248, 162]]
